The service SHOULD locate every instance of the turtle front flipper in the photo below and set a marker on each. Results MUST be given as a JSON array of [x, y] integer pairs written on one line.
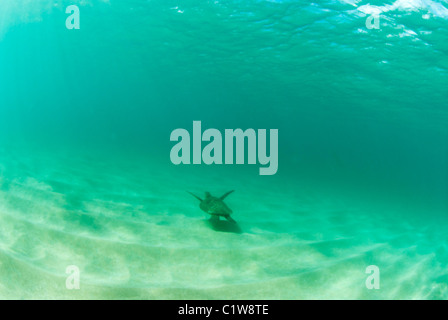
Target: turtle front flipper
[[195, 196], [226, 194]]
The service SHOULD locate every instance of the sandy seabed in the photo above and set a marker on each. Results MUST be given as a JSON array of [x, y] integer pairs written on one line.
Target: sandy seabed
[[134, 233]]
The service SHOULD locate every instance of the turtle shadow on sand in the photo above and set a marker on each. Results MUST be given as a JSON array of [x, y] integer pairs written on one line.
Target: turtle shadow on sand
[[223, 226], [217, 208]]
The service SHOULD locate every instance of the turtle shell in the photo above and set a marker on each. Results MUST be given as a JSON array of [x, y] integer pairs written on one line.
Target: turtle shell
[[215, 206]]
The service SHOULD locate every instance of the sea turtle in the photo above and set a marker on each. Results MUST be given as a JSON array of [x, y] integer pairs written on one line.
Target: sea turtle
[[215, 206]]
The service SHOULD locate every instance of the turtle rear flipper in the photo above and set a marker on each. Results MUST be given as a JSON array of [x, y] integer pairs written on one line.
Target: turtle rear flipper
[[229, 218], [214, 218]]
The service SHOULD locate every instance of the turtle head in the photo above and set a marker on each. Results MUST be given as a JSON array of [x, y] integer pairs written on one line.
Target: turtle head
[[207, 195]]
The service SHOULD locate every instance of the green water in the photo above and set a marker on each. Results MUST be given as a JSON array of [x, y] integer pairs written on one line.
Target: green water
[[86, 178]]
